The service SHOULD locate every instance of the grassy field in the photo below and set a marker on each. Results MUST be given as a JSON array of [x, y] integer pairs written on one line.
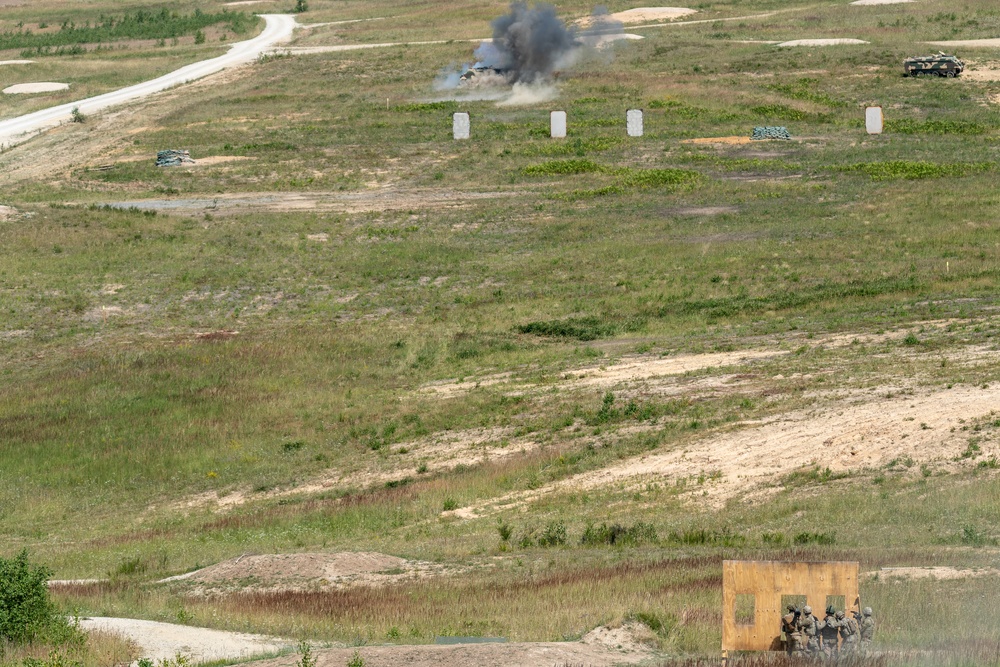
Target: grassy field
[[370, 259]]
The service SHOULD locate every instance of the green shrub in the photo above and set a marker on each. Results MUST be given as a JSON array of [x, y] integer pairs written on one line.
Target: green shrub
[[814, 538], [356, 660], [26, 613]]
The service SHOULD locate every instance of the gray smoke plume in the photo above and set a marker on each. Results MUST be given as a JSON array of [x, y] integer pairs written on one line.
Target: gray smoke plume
[[528, 43]]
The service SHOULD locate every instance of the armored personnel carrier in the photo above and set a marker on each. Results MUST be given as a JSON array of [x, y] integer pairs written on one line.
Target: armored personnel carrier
[[939, 64]]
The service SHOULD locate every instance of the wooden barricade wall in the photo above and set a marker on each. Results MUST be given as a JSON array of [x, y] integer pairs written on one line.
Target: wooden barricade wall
[[768, 581]]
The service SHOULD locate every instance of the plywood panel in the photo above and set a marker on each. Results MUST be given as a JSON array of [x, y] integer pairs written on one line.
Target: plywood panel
[[768, 581]]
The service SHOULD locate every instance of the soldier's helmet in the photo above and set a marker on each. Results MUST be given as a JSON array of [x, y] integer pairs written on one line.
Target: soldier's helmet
[[867, 611], [830, 610], [840, 615], [807, 610]]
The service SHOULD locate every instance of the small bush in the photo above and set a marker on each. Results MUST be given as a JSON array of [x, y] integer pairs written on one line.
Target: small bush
[[450, 504], [700, 536], [553, 535], [77, 116], [505, 531], [307, 658], [356, 660], [815, 538], [619, 535], [974, 537]]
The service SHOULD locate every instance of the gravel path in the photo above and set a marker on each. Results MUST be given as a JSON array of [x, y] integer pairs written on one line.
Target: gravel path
[[165, 640], [278, 29]]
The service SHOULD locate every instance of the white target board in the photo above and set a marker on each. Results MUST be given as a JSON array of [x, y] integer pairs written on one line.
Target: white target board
[[633, 122], [461, 127], [873, 120], [557, 124]]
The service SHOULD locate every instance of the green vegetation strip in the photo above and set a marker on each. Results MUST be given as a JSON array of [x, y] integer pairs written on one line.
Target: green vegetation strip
[[625, 177], [141, 24], [911, 170]]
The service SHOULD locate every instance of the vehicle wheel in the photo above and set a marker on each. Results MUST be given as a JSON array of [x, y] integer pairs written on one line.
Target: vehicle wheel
[[951, 74]]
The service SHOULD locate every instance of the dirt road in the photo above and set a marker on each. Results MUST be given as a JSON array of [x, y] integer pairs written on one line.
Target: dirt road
[[278, 29], [165, 640]]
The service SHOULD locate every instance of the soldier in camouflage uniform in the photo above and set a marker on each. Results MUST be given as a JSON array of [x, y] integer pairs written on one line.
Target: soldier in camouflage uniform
[[848, 632], [809, 627], [867, 627], [790, 626], [829, 631]]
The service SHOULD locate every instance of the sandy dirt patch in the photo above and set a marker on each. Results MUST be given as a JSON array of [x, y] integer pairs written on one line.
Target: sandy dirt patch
[[7, 213], [602, 647], [981, 72], [717, 140], [822, 42], [628, 370], [880, 2], [162, 641], [644, 14], [16, 62], [40, 87], [440, 452], [940, 572], [864, 431], [219, 159], [375, 199], [308, 571], [970, 43]]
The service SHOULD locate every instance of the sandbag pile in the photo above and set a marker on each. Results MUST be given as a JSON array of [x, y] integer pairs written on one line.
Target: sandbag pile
[[173, 158], [761, 133]]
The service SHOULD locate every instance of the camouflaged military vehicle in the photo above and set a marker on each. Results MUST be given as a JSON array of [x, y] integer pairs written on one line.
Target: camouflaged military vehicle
[[939, 64]]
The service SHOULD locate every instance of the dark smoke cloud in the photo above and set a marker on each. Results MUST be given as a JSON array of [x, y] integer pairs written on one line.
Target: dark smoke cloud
[[528, 43]]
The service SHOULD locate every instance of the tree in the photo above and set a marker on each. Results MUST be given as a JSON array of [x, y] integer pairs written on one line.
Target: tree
[[25, 609]]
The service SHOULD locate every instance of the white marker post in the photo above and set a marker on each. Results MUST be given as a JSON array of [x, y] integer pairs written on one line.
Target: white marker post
[[461, 126], [873, 120], [633, 122], [557, 123]]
